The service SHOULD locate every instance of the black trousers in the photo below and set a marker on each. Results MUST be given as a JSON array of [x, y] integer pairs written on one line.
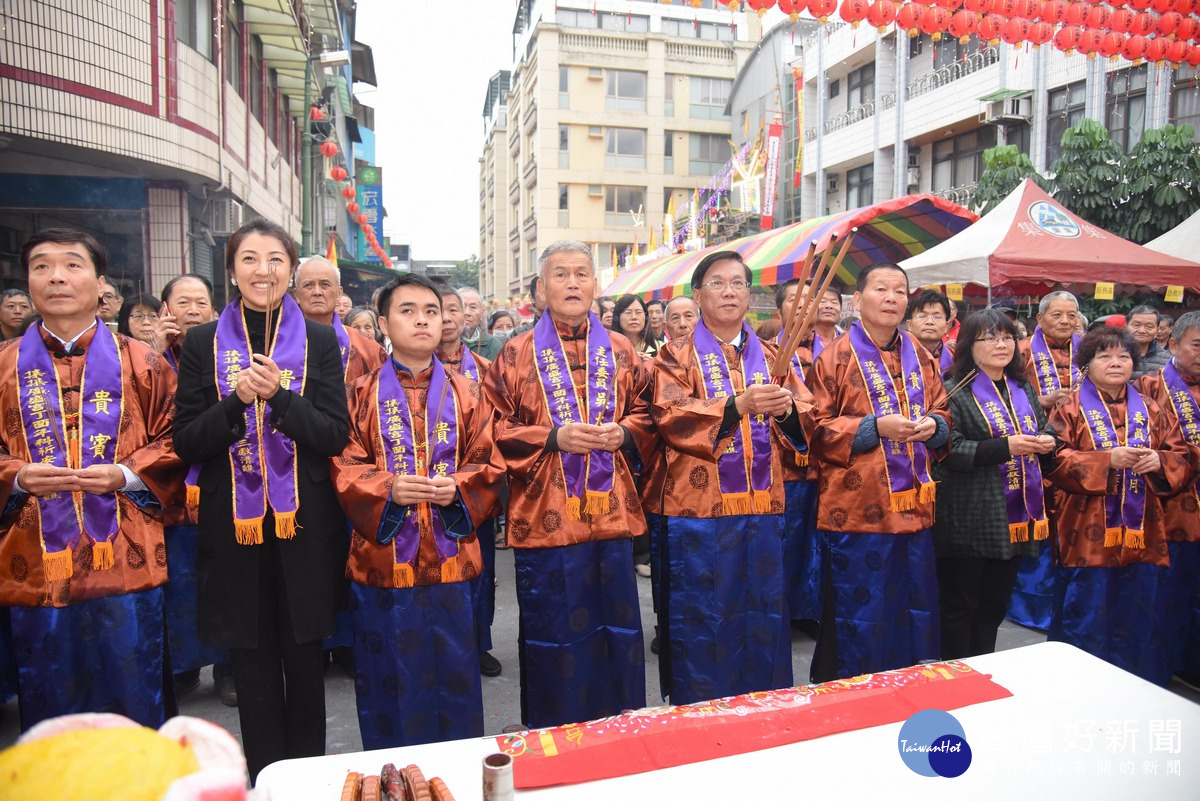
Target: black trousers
[[281, 683], [973, 597]]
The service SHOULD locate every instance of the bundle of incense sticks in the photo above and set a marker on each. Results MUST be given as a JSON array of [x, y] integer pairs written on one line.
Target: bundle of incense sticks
[[966, 382], [799, 324]]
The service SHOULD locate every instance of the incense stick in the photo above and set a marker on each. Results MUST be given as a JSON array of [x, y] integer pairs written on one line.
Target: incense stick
[[792, 341], [945, 401], [819, 292], [782, 356]]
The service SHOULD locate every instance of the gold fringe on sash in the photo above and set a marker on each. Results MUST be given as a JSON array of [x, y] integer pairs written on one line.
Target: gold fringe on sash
[[248, 532], [1135, 538], [737, 503], [927, 493], [905, 501], [574, 508], [285, 525], [402, 575], [102, 556], [450, 572], [1018, 532], [801, 460], [762, 501], [598, 503], [1112, 537], [58, 565], [1041, 529], [192, 496]]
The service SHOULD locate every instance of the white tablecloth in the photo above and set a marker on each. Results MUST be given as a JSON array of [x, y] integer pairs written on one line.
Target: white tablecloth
[[1074, 728]]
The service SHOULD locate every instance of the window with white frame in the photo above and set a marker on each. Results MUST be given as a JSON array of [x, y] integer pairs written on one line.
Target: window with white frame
[[625, 148]]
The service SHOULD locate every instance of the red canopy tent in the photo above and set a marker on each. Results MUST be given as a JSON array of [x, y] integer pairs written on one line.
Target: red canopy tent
[[1030, 242]]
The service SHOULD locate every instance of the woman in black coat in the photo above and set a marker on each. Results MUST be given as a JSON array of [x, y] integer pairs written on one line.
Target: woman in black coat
[[983, 526], [262, 388]]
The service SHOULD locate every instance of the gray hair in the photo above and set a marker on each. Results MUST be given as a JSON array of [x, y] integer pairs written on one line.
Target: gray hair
[[1083, 319], [319, 261], [564, 246], [1053, 296], [462, 290], [1185, 323], [667, 308], [1143, 309]]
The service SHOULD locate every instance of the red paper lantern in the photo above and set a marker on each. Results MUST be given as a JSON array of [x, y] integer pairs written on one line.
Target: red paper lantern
[[1139, 5], [933, 21], [315, 114], [821, 9], [881, 14], [1134, 47], [907, 18], [1005, 8], [1110, 44], [352, 207], [329, 149], [1068, 38], [348, 193], [1026, 9], [962, 25], [1143, 23], [1053, 11], [1162, 6], [1167, 23], [1177, 52], [854, 11], [1188, 27], [950, 5], [1117, 3], [1097, 17], [989, 28], [1040, 33], [339, 174], [1184, 7], [1156, 50], [1015, 30], [761, 6], [792, 8], [1075, 15], [361, 219], [1121, 20], [1193, 58], [979, 7], [1090, 42]]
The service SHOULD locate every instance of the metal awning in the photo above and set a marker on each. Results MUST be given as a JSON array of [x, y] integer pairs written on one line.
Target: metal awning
[[1005, 94]]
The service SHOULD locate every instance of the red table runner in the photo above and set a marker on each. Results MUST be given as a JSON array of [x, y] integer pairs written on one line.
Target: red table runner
[[663, 737]]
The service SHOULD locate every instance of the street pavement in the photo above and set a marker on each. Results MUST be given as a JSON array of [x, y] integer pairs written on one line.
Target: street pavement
[[501, 695]]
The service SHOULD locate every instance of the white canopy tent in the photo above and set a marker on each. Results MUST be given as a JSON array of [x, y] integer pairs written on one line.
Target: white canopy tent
[[1183, 240]]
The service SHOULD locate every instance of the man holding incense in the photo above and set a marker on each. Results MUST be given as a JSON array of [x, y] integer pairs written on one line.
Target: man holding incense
[[86, 469], [572, 426], [878, 417], [723, 619]]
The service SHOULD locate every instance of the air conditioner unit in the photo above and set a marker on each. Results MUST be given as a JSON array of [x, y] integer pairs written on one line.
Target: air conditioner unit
[[1010, 109], [224, 215], [831, 183], [914, 175]]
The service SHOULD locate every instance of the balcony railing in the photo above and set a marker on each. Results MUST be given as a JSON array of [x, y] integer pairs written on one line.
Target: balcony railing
[[962, 195], [952, 72], [850, 116], [600, 43]]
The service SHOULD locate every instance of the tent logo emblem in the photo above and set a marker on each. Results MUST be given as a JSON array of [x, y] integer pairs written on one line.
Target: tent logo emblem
[[1053, 220]]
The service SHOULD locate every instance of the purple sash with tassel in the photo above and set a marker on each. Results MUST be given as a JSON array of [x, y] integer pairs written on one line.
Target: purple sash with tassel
[[587, 477], [1186, 409], [63, 518], [744, 473], [907, 463], [1043, 363], [343, 338], [1124, 509], [400, 451], [1024, 499], [467, 365], [263, 462]]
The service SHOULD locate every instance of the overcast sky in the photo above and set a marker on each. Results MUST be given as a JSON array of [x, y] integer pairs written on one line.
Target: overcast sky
[[433, 61]]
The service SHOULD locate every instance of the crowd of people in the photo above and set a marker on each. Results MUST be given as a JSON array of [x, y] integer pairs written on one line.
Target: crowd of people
[[289, 476]]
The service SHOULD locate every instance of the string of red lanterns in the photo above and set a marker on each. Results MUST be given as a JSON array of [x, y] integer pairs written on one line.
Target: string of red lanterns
[[1158, 31], [339, 174]]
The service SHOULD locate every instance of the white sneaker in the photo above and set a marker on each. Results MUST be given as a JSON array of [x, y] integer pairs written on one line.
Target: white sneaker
[[642, 570]]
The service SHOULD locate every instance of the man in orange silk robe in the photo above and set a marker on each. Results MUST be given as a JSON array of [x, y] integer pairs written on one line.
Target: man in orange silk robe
[[1181, 512], [1110, 584], [872, 437], [723, 615], [414, 553], [1047, 356], [318, 289], [457, 357], [573, 507], [83, 484]]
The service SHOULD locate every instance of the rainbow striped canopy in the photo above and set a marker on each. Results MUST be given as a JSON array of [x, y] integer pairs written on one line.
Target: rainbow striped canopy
[[890, 231]]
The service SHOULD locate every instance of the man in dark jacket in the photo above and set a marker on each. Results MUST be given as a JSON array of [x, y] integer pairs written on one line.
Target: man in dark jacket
[[475, 335], [1142, 323]]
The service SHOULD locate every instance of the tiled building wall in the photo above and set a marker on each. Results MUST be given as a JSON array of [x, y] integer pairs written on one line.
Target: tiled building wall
[[168, 232]]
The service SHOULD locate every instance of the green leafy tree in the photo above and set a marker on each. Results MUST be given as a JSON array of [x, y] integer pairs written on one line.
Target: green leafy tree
[[1004, 167], [1164, 183], [1089, 175], [465, 273]]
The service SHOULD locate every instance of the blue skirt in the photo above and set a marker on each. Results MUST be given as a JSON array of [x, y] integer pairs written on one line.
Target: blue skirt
[[723, 619], [1033, 596], [179, 595], [1183, 605], [654, 524], [8, 666], [416, 677], [483, 587], [1118, 614], [102, 655], [801, 555], [580, 638], [881, 592]]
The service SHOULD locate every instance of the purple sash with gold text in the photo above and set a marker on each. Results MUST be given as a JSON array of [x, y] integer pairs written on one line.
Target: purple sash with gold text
[[467, 365], [744, 473], [1043, 363], [63, 518], [1186, 409], [907, 463], [343, 338], [1024, 498], [587, 477], [400, 451], [1124, 509], [263, 462]]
